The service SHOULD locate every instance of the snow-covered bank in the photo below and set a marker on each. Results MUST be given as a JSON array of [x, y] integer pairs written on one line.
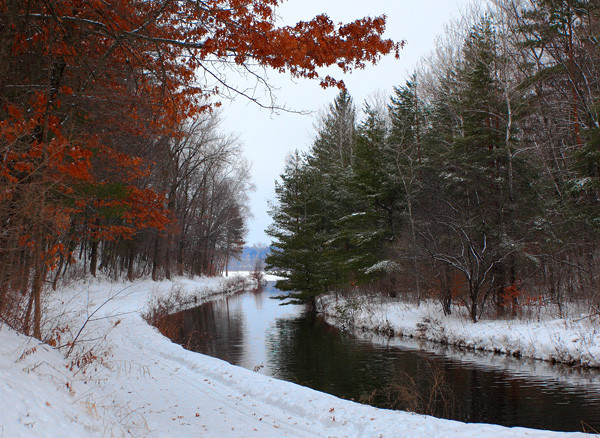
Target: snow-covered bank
[[266, 275], [568, 340], [125, 379]]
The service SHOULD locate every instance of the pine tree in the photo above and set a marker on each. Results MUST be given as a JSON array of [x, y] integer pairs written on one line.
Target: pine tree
[[408, 123], [296, 251], [330, 160], [311, 251], [377, 184], [473, 169]]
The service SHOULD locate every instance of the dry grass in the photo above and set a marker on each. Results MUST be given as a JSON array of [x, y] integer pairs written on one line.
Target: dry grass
[[432, 396]]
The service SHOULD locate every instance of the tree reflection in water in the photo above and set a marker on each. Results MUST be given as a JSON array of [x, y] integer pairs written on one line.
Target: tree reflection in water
[[289, 343]]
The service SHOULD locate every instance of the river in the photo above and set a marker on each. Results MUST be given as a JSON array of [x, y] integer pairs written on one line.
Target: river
[[252, 330]]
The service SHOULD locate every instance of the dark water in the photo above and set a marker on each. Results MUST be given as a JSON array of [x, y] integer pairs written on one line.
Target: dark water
[[256, 332]]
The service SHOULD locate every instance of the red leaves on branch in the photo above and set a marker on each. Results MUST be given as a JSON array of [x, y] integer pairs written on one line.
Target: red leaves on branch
[[87, 86]]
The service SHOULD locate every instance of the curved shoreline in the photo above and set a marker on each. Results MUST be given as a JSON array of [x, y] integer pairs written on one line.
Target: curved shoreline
[[565, 341], [140, 383]]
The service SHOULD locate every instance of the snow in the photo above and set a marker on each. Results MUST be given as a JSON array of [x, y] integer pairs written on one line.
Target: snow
[[383, 266], [573, 340], [125, 379], [267, 276]]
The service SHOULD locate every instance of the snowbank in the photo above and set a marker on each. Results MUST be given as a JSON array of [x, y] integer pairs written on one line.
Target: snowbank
[[125, 379], [573, 341]]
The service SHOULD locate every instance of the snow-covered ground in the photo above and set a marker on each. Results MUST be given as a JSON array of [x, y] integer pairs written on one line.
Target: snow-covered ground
[[124, 378], [573, 340]]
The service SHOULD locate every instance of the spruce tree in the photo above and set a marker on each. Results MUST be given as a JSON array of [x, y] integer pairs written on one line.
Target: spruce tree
[[375, 225], [298, 237], [330, 160], [472, 171], [408, 124]]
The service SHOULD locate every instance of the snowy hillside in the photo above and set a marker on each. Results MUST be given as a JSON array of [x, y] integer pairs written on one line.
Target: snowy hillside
[[126, 379]]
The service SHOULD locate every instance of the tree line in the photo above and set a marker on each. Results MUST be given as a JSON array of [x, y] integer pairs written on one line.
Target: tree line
[[476, 183], [111, 156]]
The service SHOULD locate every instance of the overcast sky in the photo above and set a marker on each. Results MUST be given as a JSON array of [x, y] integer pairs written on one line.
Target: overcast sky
[[269, 137]]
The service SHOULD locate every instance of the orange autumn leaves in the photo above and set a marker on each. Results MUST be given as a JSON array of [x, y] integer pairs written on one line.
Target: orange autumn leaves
[[87, 87]]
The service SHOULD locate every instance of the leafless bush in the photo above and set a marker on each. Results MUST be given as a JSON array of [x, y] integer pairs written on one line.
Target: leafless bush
[[165, 314], [258, 275], [160, 313]]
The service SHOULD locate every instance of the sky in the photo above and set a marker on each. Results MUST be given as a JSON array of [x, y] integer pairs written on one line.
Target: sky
[[268, 137]]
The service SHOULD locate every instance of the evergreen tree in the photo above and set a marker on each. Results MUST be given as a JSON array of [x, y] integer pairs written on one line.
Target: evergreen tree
[[474, 180], [330, 160], [473, 170], [311, 250], [408, 123], [296, 251], [375, 225]]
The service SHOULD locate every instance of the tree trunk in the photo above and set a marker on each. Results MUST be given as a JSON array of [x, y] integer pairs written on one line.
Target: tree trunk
[[28, 314], [155, 258], [447, 292], [168, 257], [94, 257], [180, 259], [130, 258], [38, 279], [60, 266], [474, 308]]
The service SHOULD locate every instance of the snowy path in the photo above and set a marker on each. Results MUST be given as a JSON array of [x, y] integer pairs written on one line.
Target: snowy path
[[147, 386]]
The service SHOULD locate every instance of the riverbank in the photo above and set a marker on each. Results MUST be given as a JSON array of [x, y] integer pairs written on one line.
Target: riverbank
[[573, 341], [125, 379]]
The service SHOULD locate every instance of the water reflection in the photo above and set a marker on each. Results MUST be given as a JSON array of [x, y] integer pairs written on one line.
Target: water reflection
[[213, 329], [255, 332]]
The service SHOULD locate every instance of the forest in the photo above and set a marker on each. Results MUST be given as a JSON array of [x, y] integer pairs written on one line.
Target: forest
[[112, 159], [476, 183]]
